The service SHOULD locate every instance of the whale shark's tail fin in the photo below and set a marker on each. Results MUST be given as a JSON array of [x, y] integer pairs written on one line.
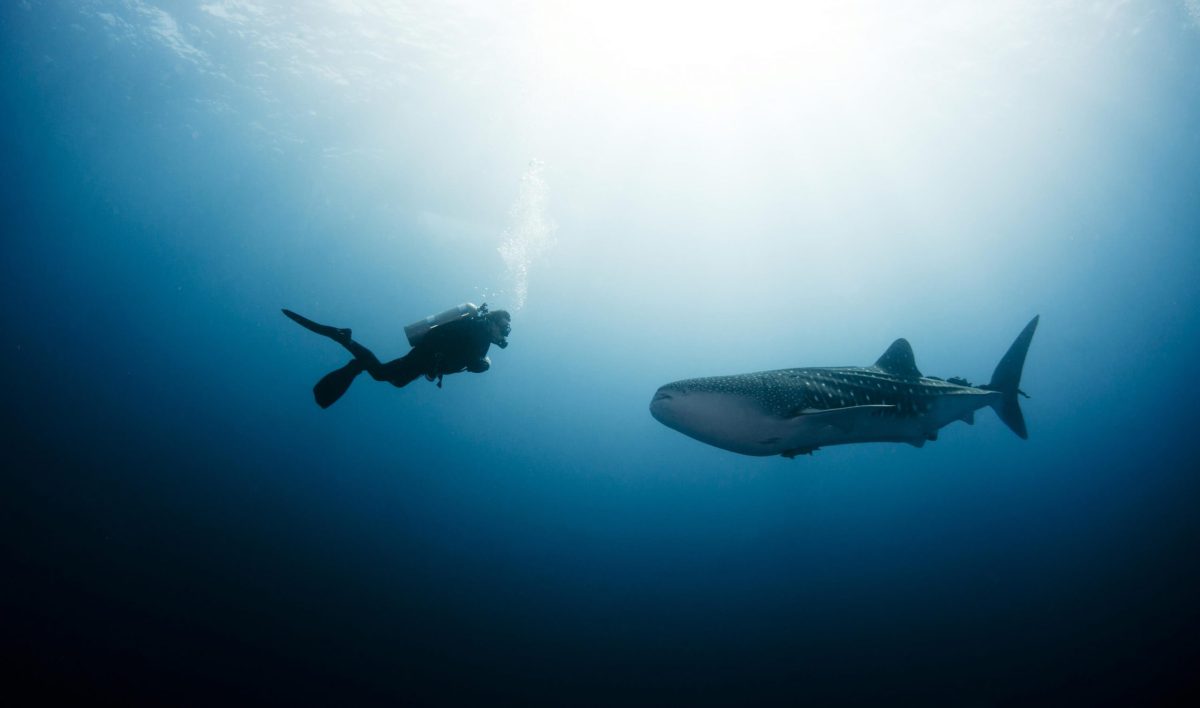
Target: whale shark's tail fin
[[1007, 380]]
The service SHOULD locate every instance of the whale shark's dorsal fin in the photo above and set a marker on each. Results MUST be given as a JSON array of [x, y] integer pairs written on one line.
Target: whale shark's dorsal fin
[[899, 360]]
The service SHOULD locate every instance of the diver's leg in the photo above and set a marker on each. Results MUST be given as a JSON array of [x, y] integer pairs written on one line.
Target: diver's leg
[[399, 372], [403, 371], [367, 360], [334, 384], [370, 363]]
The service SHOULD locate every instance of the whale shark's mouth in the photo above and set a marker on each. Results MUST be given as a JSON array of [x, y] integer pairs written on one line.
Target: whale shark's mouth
[[669, 406], [659, 407]]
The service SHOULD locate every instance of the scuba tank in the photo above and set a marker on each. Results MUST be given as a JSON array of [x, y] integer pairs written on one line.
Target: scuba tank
[[417, 330]]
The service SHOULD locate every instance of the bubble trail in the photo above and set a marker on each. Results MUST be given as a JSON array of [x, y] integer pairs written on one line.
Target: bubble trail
[[530, 234]]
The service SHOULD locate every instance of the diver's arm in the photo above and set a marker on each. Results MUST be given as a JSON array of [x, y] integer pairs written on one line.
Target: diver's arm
[[457, 346], [479, 365]]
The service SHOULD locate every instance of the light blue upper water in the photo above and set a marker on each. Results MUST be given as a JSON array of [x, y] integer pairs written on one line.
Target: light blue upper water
[[655, 192]]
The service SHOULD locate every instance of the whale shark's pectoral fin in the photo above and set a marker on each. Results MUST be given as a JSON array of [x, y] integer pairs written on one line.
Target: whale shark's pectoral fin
[[844, 419], [791, 454]]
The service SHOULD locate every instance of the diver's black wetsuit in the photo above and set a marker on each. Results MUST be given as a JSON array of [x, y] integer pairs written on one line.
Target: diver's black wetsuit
[[461, 345], [456, 346]]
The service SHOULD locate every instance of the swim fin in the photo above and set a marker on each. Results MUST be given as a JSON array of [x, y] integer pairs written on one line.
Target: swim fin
[[337, 334], [335, 383]]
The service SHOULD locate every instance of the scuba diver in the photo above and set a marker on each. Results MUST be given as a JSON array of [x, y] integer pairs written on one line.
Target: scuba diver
[[447, 343]]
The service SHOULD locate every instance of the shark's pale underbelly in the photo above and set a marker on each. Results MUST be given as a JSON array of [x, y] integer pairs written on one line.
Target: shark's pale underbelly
[[882, 425]]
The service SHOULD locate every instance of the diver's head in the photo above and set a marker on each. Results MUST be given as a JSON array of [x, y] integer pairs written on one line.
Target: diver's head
[[499, 325]]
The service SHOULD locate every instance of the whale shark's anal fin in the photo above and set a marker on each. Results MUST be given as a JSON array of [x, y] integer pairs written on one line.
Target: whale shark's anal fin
[[844, 419]]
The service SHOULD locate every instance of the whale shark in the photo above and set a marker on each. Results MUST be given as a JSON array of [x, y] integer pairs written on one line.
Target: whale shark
[[792, 412]]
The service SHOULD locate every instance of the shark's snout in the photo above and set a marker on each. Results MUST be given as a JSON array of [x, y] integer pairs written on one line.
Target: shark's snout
[[714, 411], [662, 403], [672, 405]]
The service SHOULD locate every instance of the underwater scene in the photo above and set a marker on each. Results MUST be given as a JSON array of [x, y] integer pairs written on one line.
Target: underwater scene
[[377, 352]]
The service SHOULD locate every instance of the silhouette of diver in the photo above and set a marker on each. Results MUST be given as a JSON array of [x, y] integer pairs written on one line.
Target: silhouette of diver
[[460, 345]]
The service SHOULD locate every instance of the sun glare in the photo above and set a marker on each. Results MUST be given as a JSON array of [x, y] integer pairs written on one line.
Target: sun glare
[[688, 51]]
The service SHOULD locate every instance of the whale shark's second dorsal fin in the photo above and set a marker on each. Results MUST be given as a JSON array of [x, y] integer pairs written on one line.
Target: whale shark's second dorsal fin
[[899, 360]]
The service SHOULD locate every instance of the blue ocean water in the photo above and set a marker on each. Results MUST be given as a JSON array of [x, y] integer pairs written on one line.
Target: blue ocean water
[[655, 191]]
